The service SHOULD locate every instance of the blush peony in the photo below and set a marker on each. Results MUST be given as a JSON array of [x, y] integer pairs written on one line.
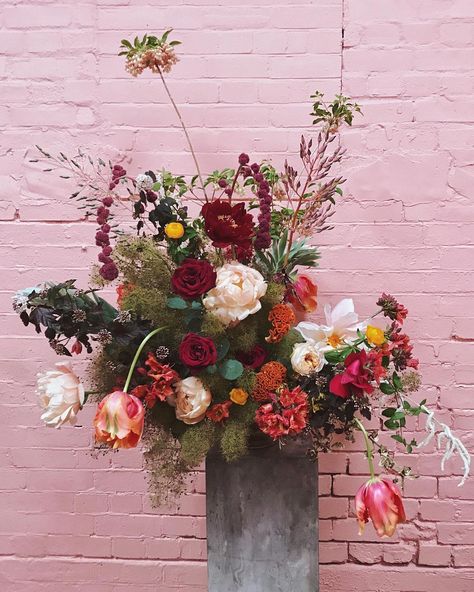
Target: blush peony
[[237, 293], [61, 395], [192, 400]]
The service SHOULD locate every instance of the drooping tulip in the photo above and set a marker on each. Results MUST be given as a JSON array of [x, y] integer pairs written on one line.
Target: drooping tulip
[[119, 420], [304, 294], [380, 501]]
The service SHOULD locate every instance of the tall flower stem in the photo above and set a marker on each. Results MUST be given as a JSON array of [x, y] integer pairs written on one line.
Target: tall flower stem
[[368, 446], [175, 107], [137, 356]]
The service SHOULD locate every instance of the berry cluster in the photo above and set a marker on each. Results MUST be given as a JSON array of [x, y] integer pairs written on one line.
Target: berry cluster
[[263, 239], [108, 270]]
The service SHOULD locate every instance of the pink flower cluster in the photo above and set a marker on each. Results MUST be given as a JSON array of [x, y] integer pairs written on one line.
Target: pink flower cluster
[[287, 415]]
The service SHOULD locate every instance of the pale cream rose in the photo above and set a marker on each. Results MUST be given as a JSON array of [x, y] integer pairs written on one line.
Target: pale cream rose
[[61, 395], [237, 293], [191, 401], [307, 358]]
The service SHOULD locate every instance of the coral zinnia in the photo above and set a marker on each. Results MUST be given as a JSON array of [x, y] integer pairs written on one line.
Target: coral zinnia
[[228, 225], [286, 416]]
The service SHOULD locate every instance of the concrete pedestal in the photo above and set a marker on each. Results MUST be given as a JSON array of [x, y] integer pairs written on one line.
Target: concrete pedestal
[[262, 522]]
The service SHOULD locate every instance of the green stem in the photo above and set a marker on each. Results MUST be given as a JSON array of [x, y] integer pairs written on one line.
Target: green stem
[[368, 446], [137, 356]]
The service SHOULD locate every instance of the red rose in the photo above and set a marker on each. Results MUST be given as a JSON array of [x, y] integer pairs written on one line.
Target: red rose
[[227, 225], [355, 378], [194, 277], [197, 352], [253, 358]]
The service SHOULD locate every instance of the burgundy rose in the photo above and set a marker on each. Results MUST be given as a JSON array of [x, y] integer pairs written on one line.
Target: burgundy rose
[[197, 352], [355, 378], [253, 358], [193, 278], [228, 224]]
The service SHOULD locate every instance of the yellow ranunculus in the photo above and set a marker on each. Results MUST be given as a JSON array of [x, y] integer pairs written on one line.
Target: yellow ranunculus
[[375, 336], [238, 396], [174, 230]]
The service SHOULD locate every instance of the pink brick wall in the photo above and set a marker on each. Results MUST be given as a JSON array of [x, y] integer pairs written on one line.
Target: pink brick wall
[[406, 225]]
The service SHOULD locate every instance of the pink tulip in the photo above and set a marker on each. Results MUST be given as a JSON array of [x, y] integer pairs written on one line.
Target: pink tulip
[[304, 294], [380, 500], [119, 420]]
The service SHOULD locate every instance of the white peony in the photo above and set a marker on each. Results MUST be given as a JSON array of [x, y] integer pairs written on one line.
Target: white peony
[[237, 293], [191, 401], [307, 358], [342, 323], [61, 395]]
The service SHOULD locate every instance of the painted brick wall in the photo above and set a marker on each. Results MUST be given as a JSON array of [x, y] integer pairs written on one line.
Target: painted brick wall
[[406, 225]]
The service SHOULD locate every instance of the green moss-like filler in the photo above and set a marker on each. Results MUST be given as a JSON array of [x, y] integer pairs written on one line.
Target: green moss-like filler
[[167, 472], [212, 326], [234, 441], [244, 415], [196, 442], [282, 351], [219, 386], [95, 279], [245, 335], [274, 295], [247, 381], [142, 263], [102, 373]]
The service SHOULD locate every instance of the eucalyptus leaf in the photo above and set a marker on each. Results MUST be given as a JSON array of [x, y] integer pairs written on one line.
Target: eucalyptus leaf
[[231, 369], [176, 303]]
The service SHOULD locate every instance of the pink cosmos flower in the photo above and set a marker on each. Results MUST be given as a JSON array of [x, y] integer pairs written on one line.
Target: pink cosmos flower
[[380, 501], [119, 420]]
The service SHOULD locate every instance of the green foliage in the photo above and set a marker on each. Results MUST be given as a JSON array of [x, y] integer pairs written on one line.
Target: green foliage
[[234, 441], [277, 259], [231, 369], [130, 49], [333, 114], [218, 385], [196, 442]]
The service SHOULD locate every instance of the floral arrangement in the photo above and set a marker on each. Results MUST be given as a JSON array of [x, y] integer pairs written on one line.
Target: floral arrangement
[[209, 345]]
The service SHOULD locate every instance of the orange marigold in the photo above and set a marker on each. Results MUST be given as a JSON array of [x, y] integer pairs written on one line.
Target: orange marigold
[[271, 377], [282, 318]]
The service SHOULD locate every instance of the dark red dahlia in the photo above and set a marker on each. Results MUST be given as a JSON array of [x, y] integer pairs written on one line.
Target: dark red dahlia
[[228, 224]]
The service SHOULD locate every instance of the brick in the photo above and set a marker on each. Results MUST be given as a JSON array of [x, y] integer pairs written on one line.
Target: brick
[[435, 555]]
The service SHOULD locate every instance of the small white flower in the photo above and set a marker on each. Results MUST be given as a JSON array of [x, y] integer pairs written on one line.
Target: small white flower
[[307, 358], [342, 325], [61, 395], [237, 293], [191, 401], [144, 182]]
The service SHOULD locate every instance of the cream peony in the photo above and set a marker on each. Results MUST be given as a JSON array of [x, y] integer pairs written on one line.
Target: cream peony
[[191, 401], [237, 293], [307, 358], [61, 395]]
